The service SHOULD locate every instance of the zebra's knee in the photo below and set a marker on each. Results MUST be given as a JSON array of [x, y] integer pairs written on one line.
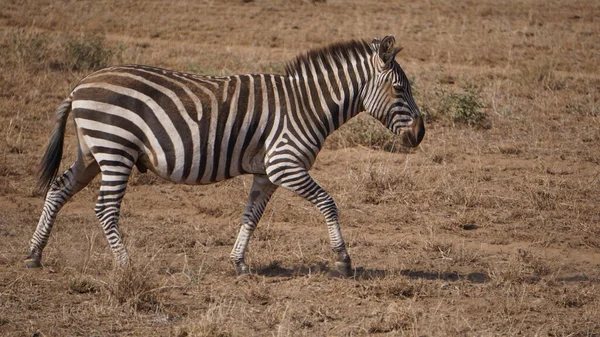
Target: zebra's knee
[[104, 213]]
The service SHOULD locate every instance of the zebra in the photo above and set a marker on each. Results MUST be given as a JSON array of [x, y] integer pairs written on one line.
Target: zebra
[[195, 129]]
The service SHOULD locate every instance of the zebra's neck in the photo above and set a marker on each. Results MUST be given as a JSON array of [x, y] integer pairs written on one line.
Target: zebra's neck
[[329, 87]]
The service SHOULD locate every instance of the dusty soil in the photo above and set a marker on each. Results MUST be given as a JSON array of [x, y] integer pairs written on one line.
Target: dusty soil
[[484, 230]]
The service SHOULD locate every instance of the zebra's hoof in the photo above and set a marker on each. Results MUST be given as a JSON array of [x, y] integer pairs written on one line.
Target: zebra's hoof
[[344, 268], [241, 269], [32, 263]]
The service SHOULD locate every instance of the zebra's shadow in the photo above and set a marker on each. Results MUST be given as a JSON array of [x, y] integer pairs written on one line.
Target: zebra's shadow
[[276, 270]]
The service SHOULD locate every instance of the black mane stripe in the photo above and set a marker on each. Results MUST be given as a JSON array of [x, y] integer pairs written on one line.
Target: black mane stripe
[[339, 51]]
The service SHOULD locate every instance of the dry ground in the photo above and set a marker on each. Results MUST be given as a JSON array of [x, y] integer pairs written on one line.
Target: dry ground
[[485, 230]]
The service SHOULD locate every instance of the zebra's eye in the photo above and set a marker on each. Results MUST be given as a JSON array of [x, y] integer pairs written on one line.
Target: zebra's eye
[[397, 87]]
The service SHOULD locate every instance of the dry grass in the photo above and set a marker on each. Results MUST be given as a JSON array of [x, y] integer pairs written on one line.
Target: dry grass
[[490, 227]]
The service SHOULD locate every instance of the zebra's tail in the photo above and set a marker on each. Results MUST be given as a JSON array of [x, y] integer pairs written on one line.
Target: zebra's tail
[[51, 160]]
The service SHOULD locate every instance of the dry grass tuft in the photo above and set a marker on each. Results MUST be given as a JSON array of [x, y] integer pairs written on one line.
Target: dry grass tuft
[[135, 287], [542, 74], [386, 323], [216, 321], [83, 284], [386, 288], [524, 267]]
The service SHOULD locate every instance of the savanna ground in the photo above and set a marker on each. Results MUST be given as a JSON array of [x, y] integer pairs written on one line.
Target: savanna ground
[[491, 227]]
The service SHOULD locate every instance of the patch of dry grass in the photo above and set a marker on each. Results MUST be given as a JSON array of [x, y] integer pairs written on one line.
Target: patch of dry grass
[[490, 229]]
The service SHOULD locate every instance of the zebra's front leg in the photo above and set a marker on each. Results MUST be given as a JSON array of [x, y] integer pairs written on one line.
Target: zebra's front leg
[[298, 180], [108, 207], [260, 193]]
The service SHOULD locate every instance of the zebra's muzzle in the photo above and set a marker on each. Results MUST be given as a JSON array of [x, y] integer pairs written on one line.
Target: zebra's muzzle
[[413, 136]]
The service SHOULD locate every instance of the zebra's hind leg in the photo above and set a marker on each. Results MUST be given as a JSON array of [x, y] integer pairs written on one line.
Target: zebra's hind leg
[[61, 190], [298, 180], [260, 193], [108, 206]]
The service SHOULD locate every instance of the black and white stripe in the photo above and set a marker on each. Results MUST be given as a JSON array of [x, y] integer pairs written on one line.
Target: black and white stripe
[[202, 129]]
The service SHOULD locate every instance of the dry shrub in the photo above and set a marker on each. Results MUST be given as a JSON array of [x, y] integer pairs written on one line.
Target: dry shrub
[[135, 287], [441, 156], [510, 149], [256, 291], [387, 288], [383, 182], [524, 267], [388, 322], [396, 319], [88, 52], [83, 284], [215, 322], [26, 49], [444, 248], [466, 256], [541, 74], [542, 199], [575, 297], [588, 105], [38, 51]]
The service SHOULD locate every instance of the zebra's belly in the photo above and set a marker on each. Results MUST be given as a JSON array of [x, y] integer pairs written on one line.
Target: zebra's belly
[[251, 162]]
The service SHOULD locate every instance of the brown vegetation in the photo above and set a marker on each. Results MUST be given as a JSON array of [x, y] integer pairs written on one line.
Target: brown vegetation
[[491, 227]]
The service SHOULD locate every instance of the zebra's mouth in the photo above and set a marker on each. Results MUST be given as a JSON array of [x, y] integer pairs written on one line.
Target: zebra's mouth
[[414, 135]]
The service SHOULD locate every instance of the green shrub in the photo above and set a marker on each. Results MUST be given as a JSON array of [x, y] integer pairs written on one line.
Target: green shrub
[[466, 108]]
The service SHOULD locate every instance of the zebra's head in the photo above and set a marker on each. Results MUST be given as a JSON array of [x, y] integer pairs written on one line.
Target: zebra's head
[[387, 95]]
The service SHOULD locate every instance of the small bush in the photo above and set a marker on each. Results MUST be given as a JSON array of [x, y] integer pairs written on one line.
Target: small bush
[[135, 288], [35, 51], [465, 108], [524, 267], [82, 285], [30, 50], [215, 322], [88, 52], [459, 107], [583, 106], [542, 74]]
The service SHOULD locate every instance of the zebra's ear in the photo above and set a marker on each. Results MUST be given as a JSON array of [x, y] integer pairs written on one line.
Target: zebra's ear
[[375, 44], [386, 50]]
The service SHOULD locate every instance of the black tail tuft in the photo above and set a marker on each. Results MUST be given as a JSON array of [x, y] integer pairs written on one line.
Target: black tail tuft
[[51, 160]]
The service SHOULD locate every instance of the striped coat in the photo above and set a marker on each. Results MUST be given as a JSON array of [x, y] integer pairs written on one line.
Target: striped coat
[[196, 129]]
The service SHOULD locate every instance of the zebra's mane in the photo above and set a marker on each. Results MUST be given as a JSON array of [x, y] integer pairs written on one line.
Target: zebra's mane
[[339, 51]]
